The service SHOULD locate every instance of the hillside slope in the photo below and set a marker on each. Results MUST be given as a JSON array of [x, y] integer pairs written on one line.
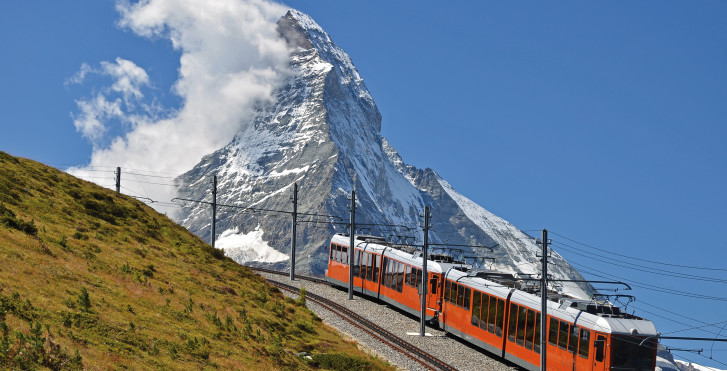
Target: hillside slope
[[96, 280]]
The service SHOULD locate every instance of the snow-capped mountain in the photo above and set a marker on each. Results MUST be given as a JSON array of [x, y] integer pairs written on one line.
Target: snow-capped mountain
[[323, 131]]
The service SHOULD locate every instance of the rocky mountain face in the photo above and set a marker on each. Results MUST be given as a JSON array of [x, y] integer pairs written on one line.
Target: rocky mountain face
[[323, 132]]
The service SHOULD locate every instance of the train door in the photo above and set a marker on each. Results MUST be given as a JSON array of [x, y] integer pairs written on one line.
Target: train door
[[433, 292], [599, 352]]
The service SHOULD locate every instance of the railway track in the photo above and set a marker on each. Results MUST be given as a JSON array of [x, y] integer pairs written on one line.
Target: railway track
[[416, 354]]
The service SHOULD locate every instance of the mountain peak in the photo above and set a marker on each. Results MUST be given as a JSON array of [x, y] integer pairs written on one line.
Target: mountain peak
[[323, 133], [303, 34]]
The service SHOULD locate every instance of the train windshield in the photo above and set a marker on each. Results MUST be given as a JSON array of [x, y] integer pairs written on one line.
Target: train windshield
[[627, 353]]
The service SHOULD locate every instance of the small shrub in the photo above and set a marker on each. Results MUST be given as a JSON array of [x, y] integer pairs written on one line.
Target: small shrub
[[148, 270], [304, 326], [301, 296], [189, 306], [84, 301], [63, 242], [8, 219], [80, 236], [340, 361]]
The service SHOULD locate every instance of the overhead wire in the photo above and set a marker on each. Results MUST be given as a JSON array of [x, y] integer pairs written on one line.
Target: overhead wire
[[648, 286], [640, 259], [628, 265]]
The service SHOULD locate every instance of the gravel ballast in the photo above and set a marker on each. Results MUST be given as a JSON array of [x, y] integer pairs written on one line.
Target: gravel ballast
[[456, 353]]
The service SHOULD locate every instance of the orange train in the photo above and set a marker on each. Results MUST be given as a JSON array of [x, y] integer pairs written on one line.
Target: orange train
[[493, 311]]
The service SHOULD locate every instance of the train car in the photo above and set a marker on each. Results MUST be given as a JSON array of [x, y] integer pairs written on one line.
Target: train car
[[493, 310]]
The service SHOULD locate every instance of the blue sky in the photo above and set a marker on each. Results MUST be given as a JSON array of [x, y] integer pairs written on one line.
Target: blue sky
[[605, 123]]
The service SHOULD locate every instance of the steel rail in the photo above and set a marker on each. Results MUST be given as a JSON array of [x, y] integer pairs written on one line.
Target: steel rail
[[379, 333]]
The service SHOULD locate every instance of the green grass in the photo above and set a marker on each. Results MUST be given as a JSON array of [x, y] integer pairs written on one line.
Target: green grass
[[96, 280]]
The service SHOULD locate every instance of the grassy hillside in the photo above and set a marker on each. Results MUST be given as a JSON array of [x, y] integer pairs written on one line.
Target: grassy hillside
[[96, 280]]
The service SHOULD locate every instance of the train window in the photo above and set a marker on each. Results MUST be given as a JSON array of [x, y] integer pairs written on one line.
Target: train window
[[460, 295], [563, 335], [344, 255], [337, 254], [585, 340], [530, 329], [484, 314], [512, 324], [573, 340], [357, 263], [331, 251], [537, 333], [500, 317], [476, 297], [368, 261], [521, 323], [599, 346], [407, 279], [467, 297], [400, 278], [394, 274], [364, 262], [553, 332], [447, 290], [377, 264], [387, 272], [419, 278], [492, 314], [453, 294]]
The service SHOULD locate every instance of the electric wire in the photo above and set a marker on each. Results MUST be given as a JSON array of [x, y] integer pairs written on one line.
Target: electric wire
[[590, 255], [150, 176], [152, 183], [695, 327], [665, 290], [709, 358], [640, 259]]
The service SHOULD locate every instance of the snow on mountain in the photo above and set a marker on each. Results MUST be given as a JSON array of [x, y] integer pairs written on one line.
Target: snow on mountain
[[519, 246], [689, 366], [323, 132], [248, 247]]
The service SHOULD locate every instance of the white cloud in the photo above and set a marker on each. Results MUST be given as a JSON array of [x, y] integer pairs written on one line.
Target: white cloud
[[94, 112], [80, 75], [129, 78], [231, 59]]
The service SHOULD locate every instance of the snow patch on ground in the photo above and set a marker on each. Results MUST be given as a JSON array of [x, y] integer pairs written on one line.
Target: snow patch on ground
[[244, 248]]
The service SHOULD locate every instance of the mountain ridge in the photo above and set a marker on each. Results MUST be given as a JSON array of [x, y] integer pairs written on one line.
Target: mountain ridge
[[323, 131]]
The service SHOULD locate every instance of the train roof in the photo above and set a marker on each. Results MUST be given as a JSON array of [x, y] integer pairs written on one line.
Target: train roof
[[600, 316], [403, 253]]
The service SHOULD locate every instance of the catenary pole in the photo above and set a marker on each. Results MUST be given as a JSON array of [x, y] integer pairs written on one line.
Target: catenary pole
[[544, 304], [425, 280], [294, 228], [351, 245], [214, 207], [118, 179]]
